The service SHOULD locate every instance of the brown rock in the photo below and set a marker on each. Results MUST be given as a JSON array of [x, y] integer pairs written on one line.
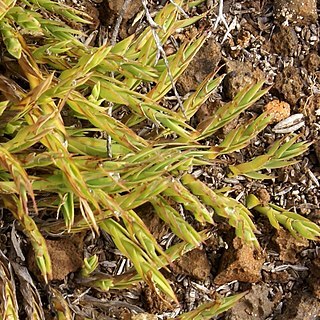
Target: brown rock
[[314, 280], [310, 106], [311, 62], [240, 262], [236, 122], [264, 196], [155, 302], [289, 84], [278, 277], [93, 12], [285, 41], [115, 7], [288, 246], [65, 257], [155, 225], [207, 110], [111, 9], [302, 306], [205, 62], [239, 75], [243, 38], [90, 9], [300, 12], [315, 287], [278, 110], [256, 305], [317, 149], [194, 263], [122, 314]]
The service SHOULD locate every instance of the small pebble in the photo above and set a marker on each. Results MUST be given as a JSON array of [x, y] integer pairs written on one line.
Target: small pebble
[[278, 110]]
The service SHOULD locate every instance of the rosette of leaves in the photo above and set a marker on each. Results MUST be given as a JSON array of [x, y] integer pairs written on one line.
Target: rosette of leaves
[[97, 183]]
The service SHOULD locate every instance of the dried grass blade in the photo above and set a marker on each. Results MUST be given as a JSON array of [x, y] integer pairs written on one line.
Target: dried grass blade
[[60, 305], [13, 93], [31, 297], [29, 101], [9, 308], [20, 178], [31, 230]]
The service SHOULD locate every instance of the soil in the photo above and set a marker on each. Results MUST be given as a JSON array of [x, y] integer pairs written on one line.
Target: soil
[[238, 76], [303, 306], [66, 257], [207, 61], [194, 264], [257, 304], [240, 262], [277, 41], [296, 12], [288, 246]]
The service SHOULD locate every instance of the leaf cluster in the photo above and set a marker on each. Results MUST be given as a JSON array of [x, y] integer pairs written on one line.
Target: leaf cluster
[[67, 170]]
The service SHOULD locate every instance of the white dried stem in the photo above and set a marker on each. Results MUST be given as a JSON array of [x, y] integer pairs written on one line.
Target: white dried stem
[[162, 53], [180, 9], [113, 41], [290, 124], [220, 17]]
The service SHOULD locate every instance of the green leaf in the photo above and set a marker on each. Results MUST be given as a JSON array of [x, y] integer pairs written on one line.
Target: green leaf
[[252, 201], [10, 39]]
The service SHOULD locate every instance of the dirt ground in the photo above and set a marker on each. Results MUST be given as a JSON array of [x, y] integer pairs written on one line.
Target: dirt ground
[[273, 40]]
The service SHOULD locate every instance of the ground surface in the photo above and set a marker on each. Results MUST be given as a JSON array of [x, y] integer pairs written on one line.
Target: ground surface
[[273, 40]]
